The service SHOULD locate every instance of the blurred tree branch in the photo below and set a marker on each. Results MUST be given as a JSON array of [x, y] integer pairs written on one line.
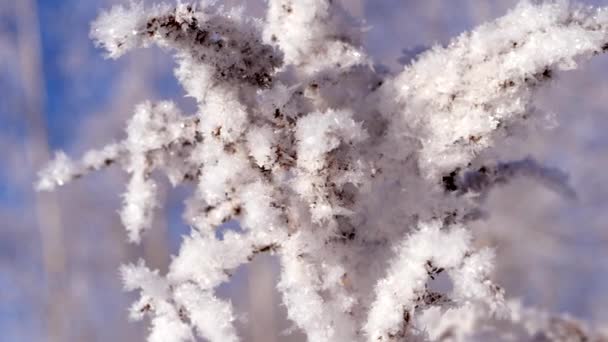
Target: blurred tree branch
[[48, 211]]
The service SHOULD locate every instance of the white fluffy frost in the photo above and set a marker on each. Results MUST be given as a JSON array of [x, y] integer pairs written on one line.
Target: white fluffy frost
[[361, 183]]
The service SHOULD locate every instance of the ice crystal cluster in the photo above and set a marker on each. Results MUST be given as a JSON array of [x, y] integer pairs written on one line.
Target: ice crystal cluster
[[360, 182]]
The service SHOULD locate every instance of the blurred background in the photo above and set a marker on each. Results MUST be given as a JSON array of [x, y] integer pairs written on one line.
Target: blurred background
[[60, 252]]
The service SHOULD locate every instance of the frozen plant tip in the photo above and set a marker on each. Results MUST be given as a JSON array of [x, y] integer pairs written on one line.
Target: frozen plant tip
[[360, 183]]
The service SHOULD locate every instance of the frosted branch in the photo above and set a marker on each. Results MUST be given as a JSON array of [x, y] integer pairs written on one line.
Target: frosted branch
[[358, 181]]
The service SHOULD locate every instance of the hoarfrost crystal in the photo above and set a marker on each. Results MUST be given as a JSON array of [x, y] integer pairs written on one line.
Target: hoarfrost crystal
[[361, 183]]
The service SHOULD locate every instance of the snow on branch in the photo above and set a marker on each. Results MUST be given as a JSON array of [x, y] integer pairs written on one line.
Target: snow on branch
[[461, 96], [231, 45], [353, 178], [430, 250], [63, 170]]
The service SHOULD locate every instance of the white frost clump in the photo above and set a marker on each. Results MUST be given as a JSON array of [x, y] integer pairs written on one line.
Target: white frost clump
[[63, 169], [260, 141], [428, 248], [117, 31], [464, 95], [320, 133], [56, 173], [361, 183]]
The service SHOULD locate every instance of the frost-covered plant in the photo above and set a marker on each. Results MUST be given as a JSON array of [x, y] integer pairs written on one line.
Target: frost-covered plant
[[361, 183]]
